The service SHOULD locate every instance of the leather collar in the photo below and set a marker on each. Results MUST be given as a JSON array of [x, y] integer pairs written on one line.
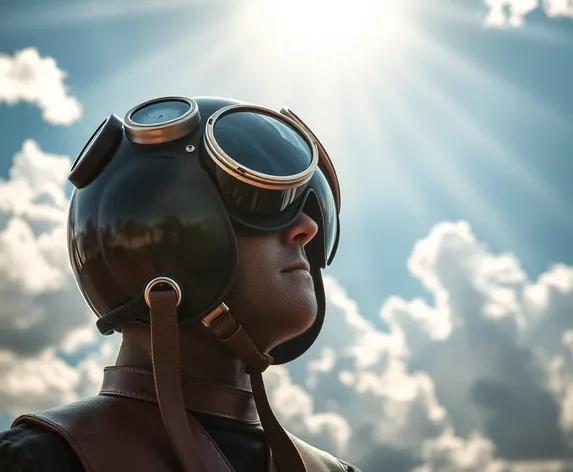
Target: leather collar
[[199, 396]]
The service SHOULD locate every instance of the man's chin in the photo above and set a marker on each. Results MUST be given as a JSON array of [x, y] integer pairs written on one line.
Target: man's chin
[[302, 319], [273, 324]]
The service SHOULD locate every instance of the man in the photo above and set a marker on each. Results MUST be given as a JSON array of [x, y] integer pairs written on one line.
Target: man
[[192, 210]]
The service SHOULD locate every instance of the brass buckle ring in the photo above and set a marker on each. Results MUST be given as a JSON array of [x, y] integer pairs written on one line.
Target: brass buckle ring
[[162, 280]]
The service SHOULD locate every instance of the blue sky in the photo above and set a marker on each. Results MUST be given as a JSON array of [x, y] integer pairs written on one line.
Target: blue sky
[[438, 113]]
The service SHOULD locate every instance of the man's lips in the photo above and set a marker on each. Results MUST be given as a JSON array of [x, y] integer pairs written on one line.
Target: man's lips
[[297, 265]]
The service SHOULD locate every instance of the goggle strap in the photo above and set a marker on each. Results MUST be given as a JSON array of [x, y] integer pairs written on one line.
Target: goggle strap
[[231, 334]]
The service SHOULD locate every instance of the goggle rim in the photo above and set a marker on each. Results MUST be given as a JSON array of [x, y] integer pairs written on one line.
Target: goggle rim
[[327, 166], [249, 176], [166, 131]]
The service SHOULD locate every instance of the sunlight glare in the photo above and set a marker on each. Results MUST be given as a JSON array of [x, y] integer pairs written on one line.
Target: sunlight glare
[[328, 24], [327, 35]]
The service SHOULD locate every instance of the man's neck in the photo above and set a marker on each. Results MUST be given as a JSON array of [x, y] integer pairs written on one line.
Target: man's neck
[[201, 357]]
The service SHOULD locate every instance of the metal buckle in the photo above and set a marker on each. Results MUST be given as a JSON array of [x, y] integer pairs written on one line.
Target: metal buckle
[[209, 319], [162, 280]]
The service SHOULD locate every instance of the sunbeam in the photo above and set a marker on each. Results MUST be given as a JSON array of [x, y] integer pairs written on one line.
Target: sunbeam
[[436, 161], [498, 155], [321, 39], [388, 176], [167, 67], [65, 13], [474, 76]]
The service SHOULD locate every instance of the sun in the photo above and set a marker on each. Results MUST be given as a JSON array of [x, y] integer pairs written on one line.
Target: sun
[[322, 24], [330, 35]]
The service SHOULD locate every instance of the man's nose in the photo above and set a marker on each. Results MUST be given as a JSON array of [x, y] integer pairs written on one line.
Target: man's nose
[[301, 231]]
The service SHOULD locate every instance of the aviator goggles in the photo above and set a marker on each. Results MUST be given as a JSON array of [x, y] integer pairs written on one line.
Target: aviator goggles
[[266, 164]]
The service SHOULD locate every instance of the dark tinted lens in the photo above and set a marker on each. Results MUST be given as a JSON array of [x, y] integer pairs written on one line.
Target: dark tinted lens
[[263, 143], [328, 207]]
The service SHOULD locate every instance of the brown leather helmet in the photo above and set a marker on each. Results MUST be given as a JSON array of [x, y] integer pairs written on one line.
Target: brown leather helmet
[[159, 193]]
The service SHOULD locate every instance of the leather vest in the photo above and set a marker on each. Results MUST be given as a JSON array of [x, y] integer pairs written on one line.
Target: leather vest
[[121, 428]]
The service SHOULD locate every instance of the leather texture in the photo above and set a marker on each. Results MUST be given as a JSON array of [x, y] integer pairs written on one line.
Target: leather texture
[[167, 376], [166, 369], [117, 434], [200, 396], [235, 338], [121, 428], [232, 335]]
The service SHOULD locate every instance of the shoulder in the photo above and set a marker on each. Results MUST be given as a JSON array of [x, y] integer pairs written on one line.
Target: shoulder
[[349, 467], [320, 460], [30, 448]]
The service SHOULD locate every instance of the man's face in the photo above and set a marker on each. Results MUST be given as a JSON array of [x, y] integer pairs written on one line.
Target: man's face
[[273, 297]]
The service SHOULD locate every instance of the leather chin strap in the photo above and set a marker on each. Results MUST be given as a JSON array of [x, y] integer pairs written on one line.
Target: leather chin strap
[[167, 375]]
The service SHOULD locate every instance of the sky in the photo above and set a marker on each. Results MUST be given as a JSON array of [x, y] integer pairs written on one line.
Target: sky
[[448, 343]]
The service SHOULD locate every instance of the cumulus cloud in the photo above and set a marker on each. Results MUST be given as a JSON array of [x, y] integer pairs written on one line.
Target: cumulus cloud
[[46, 380], [556, 8], [512, 13], [42, 315], [486, 374], [328, 430], [448, 453], [40, 302], [478, 379], [26, 76]]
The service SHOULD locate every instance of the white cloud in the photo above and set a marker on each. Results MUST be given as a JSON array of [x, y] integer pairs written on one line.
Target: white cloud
[[512, 13], [555, 8], [35, 188], [46, 380], [20, 253], [508, 12], [78, 338], [493, 358], [295, 407], [31, 384], [27, 76], [448, 453], [41, 305], [42, 315]]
